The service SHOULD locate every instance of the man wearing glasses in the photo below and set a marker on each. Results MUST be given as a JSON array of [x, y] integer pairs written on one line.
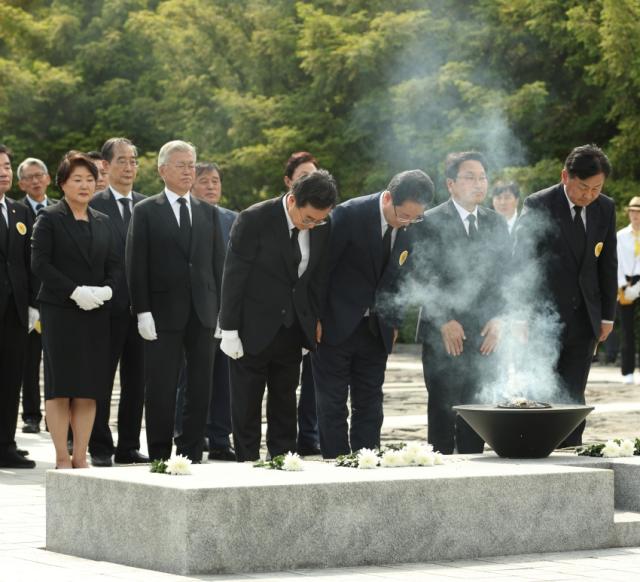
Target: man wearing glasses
[[463, 250], [120, 160], [274, 280], [369, 248], [33, 180]]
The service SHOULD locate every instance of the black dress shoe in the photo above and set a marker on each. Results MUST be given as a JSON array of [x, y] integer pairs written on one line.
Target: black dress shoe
[[101, 461], [31, 426], [13, 460], [309, 451], [225, 454], [131, 457], [22, 452]]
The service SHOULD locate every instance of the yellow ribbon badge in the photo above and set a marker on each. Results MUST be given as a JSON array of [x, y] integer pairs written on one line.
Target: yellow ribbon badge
[[403, 257], [21, 228], [598, 249], [37, 326]]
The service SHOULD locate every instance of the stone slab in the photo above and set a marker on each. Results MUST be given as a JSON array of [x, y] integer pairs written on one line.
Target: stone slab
[[627, 528], [228, 518]]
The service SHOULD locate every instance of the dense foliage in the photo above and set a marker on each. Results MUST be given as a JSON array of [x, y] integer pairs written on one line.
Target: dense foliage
[[371, 87]]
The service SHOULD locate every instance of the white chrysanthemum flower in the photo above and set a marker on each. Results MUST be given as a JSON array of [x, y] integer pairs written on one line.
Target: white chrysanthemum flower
[[392, 459], [611, 449], [425, 458], [179, 465], [292, 462], [438, 458], [627, 448], [367, 459], [408, 456]]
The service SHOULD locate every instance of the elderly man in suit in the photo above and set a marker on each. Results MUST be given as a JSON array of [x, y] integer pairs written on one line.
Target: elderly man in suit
[[570, 230], [463, 250], [174, 259], [274, 278], [17, 312], [33, 180], [120, 160], [208, 187], [368, 251]]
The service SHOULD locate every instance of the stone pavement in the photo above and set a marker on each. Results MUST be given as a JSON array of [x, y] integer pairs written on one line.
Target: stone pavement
[[22, 507]]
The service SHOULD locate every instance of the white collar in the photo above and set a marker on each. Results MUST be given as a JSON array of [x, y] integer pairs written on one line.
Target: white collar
[[463, 212], [173, 197], [383, 220], [117, 195], [290, 224]]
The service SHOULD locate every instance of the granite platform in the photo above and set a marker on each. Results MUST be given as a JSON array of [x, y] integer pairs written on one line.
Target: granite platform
[[228, 518]]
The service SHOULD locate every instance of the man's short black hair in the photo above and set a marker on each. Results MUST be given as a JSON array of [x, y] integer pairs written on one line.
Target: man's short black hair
[[586, 161], [110, 145], [94, 155], [501, 187], [5, 150], [318, 188], [412, 185], [456, 159], [208, 168]]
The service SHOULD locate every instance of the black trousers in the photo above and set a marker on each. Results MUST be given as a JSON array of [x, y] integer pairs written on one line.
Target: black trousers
[[574, 363], [308, 434], [13, 344], [627, 322], [278, 368], [31, 399], [163, 358], [127, 349], [354, 369]]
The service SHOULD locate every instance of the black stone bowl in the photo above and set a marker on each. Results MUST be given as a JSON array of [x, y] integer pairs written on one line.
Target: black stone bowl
[[523, 433]]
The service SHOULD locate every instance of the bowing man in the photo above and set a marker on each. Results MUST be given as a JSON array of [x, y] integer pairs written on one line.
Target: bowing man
[[369, 247], [174, 259], [274, 278]]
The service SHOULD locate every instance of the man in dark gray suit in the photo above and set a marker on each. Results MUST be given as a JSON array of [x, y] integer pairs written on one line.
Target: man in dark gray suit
[[120, 159], [174, 259]]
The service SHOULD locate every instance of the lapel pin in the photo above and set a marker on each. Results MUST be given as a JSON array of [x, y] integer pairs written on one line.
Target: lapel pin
[[21, 228], [598, 249], [403, 257]]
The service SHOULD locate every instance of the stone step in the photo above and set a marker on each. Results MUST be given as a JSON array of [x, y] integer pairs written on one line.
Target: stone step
[[626, 528]]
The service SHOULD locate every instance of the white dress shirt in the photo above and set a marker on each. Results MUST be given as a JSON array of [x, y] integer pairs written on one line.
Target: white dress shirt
[[303, 239], [34, 203], [175, 206], [464, 214], [117, 195], [384, 224], [4, 210], [583, 214], [511, 222], [628, 262]]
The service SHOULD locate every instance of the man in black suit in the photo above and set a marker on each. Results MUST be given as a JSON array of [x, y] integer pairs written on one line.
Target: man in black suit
[[463, 250], [369, 248], [33, 180], [570, 230], [208, 187], [174, 259], [274, 278], [17, 312], [120, 160]]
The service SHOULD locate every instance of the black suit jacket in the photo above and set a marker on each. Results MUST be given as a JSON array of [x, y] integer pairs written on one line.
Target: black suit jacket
[[227, 218], [106, 203], [357, 281], [167, 279], [543, 234], [261, 287], [461, 279], [15, 276], [62, 262]]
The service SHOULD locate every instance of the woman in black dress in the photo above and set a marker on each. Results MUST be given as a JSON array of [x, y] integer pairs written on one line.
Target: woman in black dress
[[73, 254]]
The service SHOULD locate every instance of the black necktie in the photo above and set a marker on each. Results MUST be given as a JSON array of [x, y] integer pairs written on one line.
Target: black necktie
[[4, 231], [473, 229], [579, 233], [39, 207], [386, 246], [126, 211], [295, 247], [185, 223]]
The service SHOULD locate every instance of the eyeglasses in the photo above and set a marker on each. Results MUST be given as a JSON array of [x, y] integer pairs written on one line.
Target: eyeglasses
[[406, 219], [470, 178], [37, 176], [310, 221], [124, 163]]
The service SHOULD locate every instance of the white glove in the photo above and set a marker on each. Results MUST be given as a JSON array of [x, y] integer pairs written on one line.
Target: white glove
[[633, 292], [146, 326], [33, 316], [103, 293], [85, 299], [231, 344]]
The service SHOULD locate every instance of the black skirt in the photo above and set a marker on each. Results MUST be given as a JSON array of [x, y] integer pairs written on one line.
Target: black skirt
[[75, 345]]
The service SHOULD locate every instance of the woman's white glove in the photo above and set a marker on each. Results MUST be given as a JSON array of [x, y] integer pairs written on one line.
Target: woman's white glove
[[146, 326], [85, 299], [231, 344], [103, 293]]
